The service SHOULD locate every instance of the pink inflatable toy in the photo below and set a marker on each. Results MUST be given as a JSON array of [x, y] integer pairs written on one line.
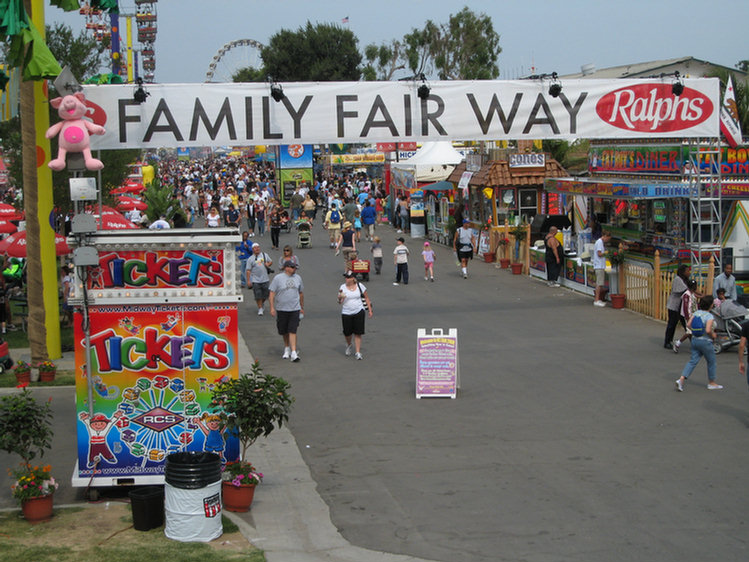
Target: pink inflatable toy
[[74, 131]]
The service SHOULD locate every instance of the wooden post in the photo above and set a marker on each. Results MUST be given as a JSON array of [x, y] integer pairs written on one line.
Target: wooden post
[[710, 276], [527, 253], [657, 282]]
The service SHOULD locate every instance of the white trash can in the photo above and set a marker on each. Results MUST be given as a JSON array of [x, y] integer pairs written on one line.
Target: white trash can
[[192, 497]]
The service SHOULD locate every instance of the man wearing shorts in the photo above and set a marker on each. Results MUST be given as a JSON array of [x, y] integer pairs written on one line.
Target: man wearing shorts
[[287, 305], [257, 276], [599, 265]]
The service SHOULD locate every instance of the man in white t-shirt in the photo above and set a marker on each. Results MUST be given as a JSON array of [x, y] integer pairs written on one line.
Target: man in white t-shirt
[[599, 265]]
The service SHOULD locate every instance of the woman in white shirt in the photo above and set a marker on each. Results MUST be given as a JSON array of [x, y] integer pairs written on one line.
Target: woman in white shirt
[[213, 219], [352, 297]]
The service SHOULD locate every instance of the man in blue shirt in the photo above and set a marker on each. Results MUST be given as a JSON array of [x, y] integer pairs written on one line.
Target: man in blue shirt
[[368, 218], [726, 281]]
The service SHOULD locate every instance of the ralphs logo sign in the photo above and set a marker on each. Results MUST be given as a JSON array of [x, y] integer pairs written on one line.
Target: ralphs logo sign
[[653, 108]]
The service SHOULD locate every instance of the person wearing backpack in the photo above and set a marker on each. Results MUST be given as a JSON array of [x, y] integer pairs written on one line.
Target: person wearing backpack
[[702, 326], [333, 224]]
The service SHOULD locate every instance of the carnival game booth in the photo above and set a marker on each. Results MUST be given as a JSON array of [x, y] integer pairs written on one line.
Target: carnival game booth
[[155, 328], [644, 216]]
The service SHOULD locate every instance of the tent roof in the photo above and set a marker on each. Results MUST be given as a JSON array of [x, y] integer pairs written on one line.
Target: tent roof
[[431, 153]]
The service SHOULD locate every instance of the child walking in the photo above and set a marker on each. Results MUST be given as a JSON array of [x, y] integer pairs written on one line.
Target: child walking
[[688, 307], [400, 258], [429, 259], [376, 250]]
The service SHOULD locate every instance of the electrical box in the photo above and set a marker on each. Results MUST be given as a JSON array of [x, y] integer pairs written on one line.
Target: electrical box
[[82, 189]]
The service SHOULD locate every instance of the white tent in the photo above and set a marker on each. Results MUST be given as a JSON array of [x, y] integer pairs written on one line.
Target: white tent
[[433, 162]]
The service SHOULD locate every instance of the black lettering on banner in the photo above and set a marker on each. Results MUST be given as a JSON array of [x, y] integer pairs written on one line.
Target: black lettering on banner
[[341, 114], [427, 117], [224, 113], [573, 111], [387, 121], [495, 107], [297, 115], [407, 113], [266, 121], [162, 109], [548, 120], [248, 118], [124, 118]]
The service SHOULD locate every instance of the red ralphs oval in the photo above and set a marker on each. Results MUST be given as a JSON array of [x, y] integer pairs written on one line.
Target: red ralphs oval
[[653, 108], [96, 113]]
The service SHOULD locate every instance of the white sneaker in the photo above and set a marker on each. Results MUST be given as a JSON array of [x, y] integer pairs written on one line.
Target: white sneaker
[[426, 278], [349, 347], [599, 303], [358, 356], [294, 356], [286, 353], [259, 311], [556, 285]]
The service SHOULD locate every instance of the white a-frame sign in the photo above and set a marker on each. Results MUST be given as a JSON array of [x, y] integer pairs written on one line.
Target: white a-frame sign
[[437, 365]]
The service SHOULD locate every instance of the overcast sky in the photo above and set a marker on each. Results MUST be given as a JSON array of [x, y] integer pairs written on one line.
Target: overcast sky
[[543, 36]]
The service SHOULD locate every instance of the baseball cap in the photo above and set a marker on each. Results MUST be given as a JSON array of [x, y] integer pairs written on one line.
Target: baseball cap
[[289, 263], [348, 274], [256, 244]]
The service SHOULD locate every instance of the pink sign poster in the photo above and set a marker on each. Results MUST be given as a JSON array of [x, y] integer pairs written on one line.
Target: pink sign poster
[[437, 366]]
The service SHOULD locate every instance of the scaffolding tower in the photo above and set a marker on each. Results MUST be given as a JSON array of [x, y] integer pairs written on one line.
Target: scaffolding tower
[[702, 172]]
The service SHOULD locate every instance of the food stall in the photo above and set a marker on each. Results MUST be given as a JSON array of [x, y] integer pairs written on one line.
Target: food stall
[[155, 327]]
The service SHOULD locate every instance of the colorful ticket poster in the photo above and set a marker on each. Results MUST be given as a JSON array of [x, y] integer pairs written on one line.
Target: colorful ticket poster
[[153, 368], [437, 366]]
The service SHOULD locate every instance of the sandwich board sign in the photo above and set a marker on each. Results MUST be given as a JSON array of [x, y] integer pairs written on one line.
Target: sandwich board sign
[[437, 366]]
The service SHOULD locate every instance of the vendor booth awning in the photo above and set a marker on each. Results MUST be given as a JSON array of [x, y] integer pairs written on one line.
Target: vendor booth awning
[[439, 186], [433, 162], [617, 189]]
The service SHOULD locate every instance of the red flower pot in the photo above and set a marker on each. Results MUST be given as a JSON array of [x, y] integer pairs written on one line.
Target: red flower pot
[[24, 376], [237, 498], [38, 509], [617, 300], [505, 263], [47, 376], [517, 268], [489, 257]]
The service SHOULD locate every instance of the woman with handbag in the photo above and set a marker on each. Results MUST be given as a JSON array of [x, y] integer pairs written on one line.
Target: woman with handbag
[[355, 303]]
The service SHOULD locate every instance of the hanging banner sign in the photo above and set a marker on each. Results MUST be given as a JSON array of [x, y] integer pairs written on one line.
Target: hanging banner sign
[[437, 367], [369, 112]]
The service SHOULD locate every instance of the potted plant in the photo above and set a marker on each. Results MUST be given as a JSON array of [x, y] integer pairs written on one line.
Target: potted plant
[[617, 257], [240, 478], [517, 232], [250, 406], [47, 371], [22, 371], [504, 243], [26, 430]]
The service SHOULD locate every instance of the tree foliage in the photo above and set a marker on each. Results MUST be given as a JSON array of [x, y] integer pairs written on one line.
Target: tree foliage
[[83, 54], [383, 61], [318, 53], [466, 48], [250, 74]]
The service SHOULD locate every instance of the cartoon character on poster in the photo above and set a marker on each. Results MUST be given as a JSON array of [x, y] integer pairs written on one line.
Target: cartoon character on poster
[[98, 427], [210, 425]]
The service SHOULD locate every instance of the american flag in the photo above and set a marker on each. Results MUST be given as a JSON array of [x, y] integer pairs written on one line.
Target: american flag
[[345, 20]]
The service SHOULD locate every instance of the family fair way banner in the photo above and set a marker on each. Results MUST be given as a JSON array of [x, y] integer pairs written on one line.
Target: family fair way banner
[[366, 112]]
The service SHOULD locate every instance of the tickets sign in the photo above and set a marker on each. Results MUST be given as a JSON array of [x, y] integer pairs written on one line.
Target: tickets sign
[[153, 368]]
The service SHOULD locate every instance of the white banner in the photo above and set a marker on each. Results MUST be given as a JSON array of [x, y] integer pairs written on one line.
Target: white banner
[[367, 112]]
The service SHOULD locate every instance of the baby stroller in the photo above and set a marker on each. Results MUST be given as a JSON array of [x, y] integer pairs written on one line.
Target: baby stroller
[[303, 236], [729, 319]]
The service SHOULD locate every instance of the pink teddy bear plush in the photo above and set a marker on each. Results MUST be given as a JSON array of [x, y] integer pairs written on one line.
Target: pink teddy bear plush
[[74, 131]]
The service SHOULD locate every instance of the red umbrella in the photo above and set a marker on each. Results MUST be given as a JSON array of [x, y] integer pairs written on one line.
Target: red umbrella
[[129, 188], [130, 203], [15, 245], [112, 220], [10, 213], [7, 227]]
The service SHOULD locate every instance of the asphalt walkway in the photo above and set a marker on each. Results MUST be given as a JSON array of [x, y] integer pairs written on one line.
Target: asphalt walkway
[[567, 440]]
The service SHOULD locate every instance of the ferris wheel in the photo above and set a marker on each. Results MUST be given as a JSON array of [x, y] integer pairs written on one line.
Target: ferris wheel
[[235, 55]]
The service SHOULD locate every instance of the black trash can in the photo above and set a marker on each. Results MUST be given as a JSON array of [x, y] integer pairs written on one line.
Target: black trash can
[[192, 496], [147, 504]]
